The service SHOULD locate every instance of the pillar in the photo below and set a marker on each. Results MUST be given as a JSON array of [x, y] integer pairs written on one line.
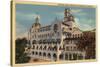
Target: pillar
[[68, 56], [77, 56], [57, 53], [64, 56], [71, 56]]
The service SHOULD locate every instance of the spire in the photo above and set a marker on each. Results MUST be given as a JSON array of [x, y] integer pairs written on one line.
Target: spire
[[37, 19], [68, 16], [37, 22], [56, 20], [67, 12]]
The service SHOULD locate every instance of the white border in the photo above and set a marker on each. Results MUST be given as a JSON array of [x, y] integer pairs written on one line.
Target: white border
[[5, 33]]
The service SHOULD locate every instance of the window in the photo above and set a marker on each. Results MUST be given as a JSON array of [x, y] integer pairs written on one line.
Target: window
[[55, 27], [33, 52], [70, 28], [58, 33]]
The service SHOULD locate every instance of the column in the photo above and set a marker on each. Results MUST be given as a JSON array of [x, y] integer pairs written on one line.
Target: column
[[77, 56], [68, 56], [52, 57], [64, 56], [72, 56], [83, 56], [57, 53]]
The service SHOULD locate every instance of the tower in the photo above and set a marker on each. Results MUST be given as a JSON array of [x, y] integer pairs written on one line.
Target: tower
[[68, 18], [37, 23]]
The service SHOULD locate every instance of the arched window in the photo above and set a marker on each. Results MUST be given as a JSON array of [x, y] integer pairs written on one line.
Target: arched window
[[60, 48], [74, 56], [78, 35], [49, 55], [34, 42], [58, 41], [75, 35], [33, 47], [37, 47], [54, 56], [36, 53], [61, 56], [55, 28], [55, 48], [44, 54], [45, 47], [67, 48], [40, 53], [66, 56], [48, 34], [40, 48], [49, 48], [33, 52]]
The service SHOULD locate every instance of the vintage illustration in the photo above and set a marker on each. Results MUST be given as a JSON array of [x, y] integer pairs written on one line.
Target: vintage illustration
[[54, 33]]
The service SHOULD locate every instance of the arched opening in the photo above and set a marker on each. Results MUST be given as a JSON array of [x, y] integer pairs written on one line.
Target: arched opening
[[74, 56], [44, 54], [33, 47], [40, 48], [55, 48], [44, 41], [73, 36], [37, 47], [54, 56], [67, 48], [49, 48], [58, 41], [66, 56], [78, 35], [40, 53], [49, 55], [34, 42], [60, 48], [49, 41], [33, 52], [36, 53], [44, 47], [61, 56], [40, 41], [53, 41]]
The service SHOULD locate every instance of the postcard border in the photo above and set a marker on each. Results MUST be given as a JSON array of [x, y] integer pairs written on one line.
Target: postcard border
[[13, 30]]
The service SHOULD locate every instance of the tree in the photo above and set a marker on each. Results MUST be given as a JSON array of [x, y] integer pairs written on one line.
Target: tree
[[21, 57], [87, 43]]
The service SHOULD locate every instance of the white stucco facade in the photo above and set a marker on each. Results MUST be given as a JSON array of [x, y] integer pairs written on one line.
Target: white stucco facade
[[55, 42]]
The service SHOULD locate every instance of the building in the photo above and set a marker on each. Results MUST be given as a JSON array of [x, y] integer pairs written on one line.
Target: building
[[56, 42]]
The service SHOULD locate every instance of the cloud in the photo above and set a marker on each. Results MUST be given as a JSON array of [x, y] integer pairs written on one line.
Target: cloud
[[21, 23], [28, 16], [21, 31], [85, 24], [76, 10], [60, 14], [22, 35]]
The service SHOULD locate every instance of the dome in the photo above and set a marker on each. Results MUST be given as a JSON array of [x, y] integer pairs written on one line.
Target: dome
[[36, 22]]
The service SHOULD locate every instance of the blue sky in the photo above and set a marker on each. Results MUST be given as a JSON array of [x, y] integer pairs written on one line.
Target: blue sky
[[26, 14]]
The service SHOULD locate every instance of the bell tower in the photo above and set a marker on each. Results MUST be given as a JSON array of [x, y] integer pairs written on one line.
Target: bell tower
[[68, 17], [37, 24]]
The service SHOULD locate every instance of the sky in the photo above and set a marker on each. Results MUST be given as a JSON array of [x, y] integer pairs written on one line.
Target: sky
[[26, 14]]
